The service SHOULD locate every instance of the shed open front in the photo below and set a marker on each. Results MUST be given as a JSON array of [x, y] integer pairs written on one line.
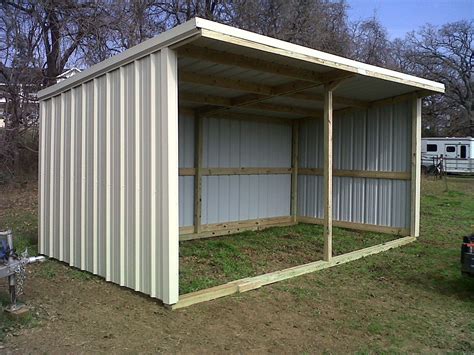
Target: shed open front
[[207, 130]]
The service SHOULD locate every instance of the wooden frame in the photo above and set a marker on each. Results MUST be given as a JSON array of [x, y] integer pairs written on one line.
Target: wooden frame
[[389, 175], [327, 173], [198, 149], [415, 167], [294, 170], [227, 228], [252, 283]]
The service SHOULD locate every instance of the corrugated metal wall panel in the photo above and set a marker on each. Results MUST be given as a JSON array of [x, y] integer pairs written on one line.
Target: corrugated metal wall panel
[[378, 139], [232, 143], [65, 178], [100, 204]]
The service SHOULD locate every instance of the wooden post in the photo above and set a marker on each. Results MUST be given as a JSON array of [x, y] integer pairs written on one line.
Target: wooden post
[[294, 169], [198, 176], [415, 167], [328, 172]]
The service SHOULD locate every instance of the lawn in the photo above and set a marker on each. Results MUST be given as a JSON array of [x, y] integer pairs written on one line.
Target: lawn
[[410, 299], [214, 261]]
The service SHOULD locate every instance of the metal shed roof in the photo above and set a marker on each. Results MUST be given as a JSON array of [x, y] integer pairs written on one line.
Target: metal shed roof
[[219, 63]]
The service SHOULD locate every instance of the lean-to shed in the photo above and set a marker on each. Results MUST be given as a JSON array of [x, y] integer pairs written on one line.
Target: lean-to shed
[[208, 130]]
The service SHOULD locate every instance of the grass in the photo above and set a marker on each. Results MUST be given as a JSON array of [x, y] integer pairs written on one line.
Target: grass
[[210, 262], [25, 230]]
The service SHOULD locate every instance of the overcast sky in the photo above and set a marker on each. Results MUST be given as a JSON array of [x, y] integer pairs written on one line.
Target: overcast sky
[[402, 16]]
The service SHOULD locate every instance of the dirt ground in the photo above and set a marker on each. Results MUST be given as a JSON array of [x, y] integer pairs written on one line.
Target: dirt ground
[[410, 299]]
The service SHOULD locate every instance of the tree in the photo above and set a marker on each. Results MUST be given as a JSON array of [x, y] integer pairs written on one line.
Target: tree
[[446, 54], [318, 24], [37, 40], [370, 43]]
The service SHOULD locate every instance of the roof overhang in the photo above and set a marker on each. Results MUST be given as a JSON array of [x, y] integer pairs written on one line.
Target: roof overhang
[[207, 48]]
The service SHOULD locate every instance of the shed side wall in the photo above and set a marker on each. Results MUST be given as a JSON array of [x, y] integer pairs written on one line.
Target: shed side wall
[[378, 139], [100, 200]]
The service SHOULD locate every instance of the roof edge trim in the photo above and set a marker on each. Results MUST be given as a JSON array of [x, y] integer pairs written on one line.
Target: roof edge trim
[[165, 39], [253, 40]]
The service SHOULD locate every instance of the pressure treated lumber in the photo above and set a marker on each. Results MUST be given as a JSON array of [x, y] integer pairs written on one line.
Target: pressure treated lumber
[[357, 226], [392, 175], [226, 102], [415, 168], [327, 173], [262, 89], [198, 155], [252, 283], [294, 169], [227, 228], [235, 171]]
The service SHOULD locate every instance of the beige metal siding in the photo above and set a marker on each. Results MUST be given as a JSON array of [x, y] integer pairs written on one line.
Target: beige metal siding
[[109, 174], [378, 139]]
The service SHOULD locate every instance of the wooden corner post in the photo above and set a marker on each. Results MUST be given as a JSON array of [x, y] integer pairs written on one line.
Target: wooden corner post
[[415, 167], [328, 90], [294, 169], [198, 123], [169, 203]]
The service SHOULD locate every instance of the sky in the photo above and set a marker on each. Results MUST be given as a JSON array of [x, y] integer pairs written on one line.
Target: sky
[[402, 16]]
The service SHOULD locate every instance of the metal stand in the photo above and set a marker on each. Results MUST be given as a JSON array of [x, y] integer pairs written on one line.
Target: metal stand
[[12, 266]]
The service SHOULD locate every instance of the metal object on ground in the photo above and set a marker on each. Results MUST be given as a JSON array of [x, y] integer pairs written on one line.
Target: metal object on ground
[[13, 267], [467, 256]]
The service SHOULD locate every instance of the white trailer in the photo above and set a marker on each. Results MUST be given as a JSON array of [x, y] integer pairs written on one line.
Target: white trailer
[[456, 153]]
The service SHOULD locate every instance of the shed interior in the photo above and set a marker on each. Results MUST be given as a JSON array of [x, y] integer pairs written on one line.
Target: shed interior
[[251, 143]]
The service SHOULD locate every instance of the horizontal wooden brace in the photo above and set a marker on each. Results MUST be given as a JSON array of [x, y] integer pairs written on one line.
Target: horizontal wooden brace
[[228, 103], [357, 226], [392, 175], [234, 171], [219, 229], [252, 283]]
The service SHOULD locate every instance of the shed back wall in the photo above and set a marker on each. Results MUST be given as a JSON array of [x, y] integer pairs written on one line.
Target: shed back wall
[[232, 143], [378, 139]]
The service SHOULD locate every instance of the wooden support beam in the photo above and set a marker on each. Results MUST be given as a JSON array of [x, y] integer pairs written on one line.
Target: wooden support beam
[[262, 89], [256, 100], [198, 152], [294, 169], [357, 226], [252, 283], [328, 166], [415, 167], [235, 171], [392, 175], [228, 102], [227, 228]]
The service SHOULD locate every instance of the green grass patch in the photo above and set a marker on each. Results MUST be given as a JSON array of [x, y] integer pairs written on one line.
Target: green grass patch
[[214, 261], [24, 225]]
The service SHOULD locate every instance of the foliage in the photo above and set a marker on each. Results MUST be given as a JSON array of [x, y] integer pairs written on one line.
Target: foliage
[[40, 39]]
